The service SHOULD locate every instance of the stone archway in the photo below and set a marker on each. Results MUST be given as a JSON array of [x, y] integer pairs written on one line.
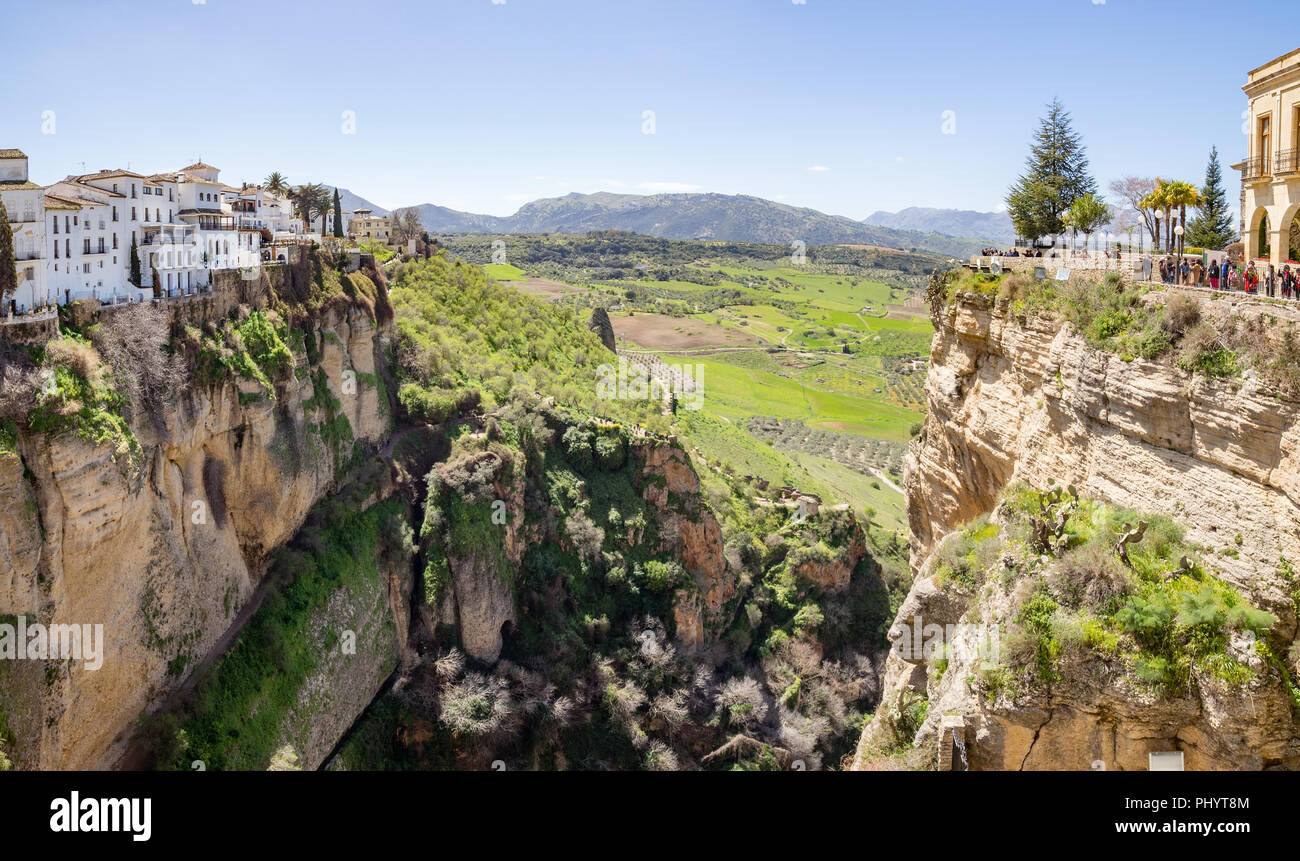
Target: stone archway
[[1258, 240], [1289, 237]]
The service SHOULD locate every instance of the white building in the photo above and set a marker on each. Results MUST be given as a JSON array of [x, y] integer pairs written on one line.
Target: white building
[[24, 202], [73, 239]]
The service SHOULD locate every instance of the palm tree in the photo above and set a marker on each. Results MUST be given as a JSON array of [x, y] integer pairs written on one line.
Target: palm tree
[[277, 184], [307, 202], [1158, 200], [1182, 195]]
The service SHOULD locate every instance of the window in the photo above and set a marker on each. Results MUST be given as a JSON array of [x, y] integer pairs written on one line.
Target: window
[[169, 194], [67, 247], [55, 219], [114, 241], [56, 253], [133, 213], [74, 220], [1265, 138], [133, 190], [115, 188], [115, 213]]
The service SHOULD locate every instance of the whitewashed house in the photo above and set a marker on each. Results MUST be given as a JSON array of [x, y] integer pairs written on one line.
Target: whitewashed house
[[24, 202]]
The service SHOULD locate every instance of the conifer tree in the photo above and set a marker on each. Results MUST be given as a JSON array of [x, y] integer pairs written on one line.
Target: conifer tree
[[135, 264], [338, 215], [8, 263], [1212, 227], [1056, 174]]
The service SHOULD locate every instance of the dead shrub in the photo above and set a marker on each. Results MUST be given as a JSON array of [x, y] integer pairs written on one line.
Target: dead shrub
[[135, 342], [77, 356], [1181, 314], [1091, 576]]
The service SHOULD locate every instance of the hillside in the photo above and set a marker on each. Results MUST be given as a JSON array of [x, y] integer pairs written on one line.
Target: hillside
[[993, 226], [733, 218]]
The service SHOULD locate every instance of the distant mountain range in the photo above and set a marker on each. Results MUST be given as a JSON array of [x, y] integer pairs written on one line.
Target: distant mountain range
[[352, 202], [735, 218], [994, 226]]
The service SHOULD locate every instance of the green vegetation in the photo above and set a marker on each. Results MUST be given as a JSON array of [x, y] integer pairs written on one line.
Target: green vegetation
[[242, 703], [1148, 604], [76, 394], [460, 332]]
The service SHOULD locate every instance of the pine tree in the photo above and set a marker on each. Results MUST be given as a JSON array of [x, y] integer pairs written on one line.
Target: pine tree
[[135, 264], [338, 215], [1056, 174], [8, 265], [1212, 226]]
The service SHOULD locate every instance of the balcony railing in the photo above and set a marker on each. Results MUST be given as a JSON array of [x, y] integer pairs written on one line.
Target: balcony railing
[[1259, 167], [1286, 161]]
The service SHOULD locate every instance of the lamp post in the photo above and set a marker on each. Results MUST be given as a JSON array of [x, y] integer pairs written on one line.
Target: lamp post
[[1155, 243], [1178, 231]]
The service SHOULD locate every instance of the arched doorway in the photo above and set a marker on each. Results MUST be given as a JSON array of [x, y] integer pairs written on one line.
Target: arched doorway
[[1292, 237], [1257, 244]]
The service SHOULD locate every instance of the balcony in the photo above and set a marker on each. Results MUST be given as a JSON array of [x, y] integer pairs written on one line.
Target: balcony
[[1257, 169], [1286, 162]]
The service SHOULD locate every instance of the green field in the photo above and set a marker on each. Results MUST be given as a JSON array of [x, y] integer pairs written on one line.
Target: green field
[[824, 353], [504, 272]]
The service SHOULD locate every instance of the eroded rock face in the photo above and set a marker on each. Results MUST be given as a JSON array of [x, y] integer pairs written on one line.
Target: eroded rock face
[[690, 531], [1027, 400], [164, 553]]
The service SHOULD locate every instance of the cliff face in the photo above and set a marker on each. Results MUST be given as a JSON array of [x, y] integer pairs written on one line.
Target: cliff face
[[164, 552], [1026, 400]]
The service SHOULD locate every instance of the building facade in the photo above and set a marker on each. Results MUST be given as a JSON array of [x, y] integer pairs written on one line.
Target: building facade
[[366, 225], [1270, 173]]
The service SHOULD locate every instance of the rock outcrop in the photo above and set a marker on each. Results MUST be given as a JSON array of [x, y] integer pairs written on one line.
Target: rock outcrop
[[164, 551], [1015, 399]]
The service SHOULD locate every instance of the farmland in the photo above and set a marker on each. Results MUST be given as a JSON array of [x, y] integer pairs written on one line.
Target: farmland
[[813, 372]]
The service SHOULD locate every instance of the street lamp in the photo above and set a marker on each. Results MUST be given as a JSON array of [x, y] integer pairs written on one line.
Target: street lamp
[[1155, 245], [1178, 231]]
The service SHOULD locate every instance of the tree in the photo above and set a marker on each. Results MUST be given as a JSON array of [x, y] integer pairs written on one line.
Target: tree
[[277, 184], [406, 224], [1132, 190], [1087, 213], [1056, 174], [1213, 225], [309, 200], [8, 263], [1158, 201], [1181, 195], [135, 263], [338, 215]]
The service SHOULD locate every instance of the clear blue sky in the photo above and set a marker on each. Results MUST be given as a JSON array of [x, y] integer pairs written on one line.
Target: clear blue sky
[[481, 106]]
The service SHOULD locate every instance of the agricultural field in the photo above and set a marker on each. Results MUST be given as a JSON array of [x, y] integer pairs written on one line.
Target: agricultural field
[[813, 375]]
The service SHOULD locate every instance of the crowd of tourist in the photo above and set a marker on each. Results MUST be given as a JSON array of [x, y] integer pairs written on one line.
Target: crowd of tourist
[[1014, 252], [1226, 275]]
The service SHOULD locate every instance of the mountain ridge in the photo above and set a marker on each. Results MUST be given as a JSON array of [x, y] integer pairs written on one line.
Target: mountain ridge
[[696, 215]]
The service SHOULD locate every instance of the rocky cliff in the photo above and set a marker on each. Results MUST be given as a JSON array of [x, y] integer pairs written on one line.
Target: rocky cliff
[[163, 548], [1024, 401]]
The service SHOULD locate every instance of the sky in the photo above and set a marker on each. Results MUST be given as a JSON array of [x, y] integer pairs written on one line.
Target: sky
[[845, 106]]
